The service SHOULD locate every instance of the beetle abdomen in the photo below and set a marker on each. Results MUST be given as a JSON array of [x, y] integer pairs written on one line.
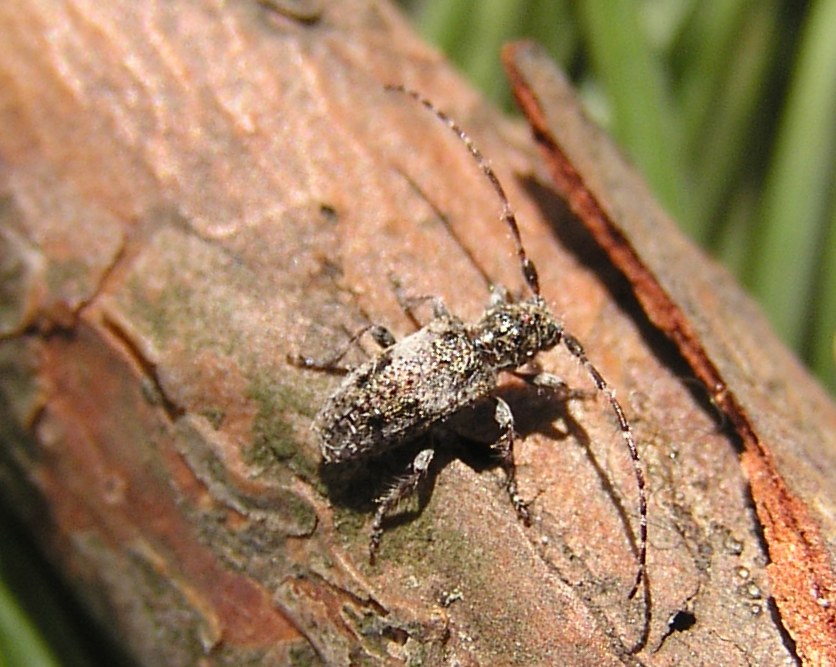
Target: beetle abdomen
[[403, 391]]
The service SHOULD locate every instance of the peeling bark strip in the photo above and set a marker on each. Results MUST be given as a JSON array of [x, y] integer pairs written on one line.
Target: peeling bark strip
[[801, 574]]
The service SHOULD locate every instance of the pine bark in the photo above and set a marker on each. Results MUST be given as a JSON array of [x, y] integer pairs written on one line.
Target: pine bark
[[193, 191]]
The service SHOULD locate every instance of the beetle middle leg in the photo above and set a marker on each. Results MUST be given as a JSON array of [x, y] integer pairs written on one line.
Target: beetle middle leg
[[505, 449], [380, 334], [504, 446], [408, 303], [403, 488]]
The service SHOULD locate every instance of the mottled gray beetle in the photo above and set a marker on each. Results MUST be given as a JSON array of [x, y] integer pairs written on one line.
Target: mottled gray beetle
[[418, 383]]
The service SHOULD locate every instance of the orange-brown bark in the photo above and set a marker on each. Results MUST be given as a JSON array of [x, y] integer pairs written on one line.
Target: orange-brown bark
[[758, 404], [191, 191]]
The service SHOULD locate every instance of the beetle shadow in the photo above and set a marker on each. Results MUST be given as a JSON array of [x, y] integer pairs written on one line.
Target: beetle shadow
[[534, 411], [466, 436], [580, 243], [538, 411], [576, 432]]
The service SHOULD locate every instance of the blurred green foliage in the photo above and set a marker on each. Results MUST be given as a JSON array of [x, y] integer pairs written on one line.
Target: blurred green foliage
[[41, 624], [728, 108]]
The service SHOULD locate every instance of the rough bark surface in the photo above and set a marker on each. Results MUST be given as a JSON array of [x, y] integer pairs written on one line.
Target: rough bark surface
[[190, 192], [734, 363]]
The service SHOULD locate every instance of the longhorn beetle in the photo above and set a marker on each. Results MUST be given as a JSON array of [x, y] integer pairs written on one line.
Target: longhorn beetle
[[419, 382]]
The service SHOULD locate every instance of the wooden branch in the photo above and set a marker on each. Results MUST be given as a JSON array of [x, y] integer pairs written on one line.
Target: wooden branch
[[192, 191], [733, 364]]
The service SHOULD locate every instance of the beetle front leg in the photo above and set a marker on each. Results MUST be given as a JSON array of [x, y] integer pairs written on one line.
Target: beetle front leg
[[403, 488], [505, 448], [558, 388]]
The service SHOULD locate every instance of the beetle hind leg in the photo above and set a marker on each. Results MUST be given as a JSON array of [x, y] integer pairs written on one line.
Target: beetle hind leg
[[404, 487]]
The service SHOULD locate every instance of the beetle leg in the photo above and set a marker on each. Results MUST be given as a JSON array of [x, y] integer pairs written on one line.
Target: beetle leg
[[499, 295], [552, 383], [505, 448], [380, 334], [409, 303], [403, 488]]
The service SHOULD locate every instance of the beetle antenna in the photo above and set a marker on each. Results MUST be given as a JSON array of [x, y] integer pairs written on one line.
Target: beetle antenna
[[570, 342], [529, 271], [575, 348]]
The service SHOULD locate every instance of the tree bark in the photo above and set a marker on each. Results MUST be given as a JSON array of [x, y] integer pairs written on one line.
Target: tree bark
[[737, 365], [191, 192]]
